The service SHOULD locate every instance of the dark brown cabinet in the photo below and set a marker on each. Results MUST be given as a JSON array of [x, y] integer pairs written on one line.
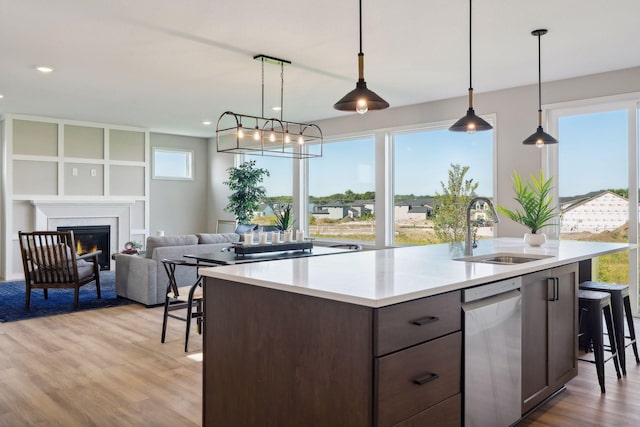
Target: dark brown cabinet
[[549, 332], [275, 358]]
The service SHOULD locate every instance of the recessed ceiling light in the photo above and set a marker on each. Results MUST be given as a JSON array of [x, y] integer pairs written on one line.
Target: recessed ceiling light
[[276, 108], [206, 122], [44, 69], [1, 96]]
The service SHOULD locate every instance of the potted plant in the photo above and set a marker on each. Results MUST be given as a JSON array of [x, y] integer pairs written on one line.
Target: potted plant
[[284, 221], [536, 209], [284, 218], [244, 181]]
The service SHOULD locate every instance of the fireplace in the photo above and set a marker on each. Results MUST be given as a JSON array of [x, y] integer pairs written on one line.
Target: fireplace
[[90, 238]]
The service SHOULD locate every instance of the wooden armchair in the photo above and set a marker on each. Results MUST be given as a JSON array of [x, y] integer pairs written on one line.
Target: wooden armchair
[[50, 261]]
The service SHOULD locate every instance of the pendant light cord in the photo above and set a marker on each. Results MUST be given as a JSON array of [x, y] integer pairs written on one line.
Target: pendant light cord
[[539, 76], [262, 114], [281, 88], [360, 15], [470, 50]]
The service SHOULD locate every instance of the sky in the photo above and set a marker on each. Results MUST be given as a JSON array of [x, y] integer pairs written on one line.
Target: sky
[[422, 161], [593, 152], [592, 156]]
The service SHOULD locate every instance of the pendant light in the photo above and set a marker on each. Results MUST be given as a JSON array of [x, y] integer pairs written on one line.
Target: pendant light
[[236, 133], [539, 137], [470, 122], [361, 99]]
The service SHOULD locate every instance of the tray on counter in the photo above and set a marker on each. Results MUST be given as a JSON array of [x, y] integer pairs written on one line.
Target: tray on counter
[[242, 249]]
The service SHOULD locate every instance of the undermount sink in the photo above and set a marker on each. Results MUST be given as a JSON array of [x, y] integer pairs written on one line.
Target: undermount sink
[[503, 258]]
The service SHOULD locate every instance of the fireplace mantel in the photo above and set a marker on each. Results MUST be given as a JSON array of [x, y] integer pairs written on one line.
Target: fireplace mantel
[[50, 214]]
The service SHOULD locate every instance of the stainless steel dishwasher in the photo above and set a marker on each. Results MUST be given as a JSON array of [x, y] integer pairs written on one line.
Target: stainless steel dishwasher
[[492, 354]]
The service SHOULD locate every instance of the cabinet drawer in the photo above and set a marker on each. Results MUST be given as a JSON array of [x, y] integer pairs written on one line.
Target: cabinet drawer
[[410, 323], [447, 413], [412, 380]]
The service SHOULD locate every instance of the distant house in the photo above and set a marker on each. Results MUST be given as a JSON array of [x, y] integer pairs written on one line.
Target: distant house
[[265, 209], [339, 210], [603, 211], [413, 209]]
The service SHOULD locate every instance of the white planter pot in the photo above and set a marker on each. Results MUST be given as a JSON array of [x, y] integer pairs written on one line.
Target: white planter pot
[[537, 239]]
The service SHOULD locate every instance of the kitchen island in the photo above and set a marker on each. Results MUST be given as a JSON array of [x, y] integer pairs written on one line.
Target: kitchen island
[[374, 337]]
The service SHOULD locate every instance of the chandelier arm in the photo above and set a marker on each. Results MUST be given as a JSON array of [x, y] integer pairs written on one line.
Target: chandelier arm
[[281, 88]]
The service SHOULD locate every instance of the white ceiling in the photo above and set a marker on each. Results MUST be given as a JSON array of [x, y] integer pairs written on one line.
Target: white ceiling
[[170, 64]]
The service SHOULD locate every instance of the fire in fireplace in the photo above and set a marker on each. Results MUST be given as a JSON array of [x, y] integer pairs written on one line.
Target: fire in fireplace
[[91, 238]]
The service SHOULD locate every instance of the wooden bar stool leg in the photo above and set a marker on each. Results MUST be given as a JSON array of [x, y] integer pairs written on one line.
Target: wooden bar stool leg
[[632, 331], [608, 318]]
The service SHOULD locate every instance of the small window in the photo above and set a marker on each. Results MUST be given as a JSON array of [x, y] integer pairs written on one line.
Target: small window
[[172, 163]]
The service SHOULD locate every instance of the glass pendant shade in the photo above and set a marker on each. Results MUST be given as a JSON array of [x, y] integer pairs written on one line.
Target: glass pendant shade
[[361, 99]]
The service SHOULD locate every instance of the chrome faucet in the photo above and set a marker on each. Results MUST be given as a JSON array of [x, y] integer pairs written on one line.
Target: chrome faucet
[[468, 245]]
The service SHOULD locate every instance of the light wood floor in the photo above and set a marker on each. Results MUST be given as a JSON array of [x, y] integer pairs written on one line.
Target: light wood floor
[[102, 367], [107, 367], [582, 404]]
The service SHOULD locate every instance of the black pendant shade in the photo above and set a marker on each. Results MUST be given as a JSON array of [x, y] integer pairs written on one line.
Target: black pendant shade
[[539, 137], [470, 122], [349, 102], [361, 99]]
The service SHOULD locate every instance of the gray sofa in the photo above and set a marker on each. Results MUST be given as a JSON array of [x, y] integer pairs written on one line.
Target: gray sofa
[[142, 278]]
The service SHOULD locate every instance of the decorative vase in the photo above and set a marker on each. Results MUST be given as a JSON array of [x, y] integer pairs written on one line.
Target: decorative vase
[[535, 239]]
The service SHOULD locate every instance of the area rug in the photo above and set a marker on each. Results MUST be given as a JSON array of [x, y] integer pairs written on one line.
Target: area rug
[[60, 300]]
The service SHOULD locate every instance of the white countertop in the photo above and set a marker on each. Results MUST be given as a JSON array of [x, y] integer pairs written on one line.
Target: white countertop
[[382, 277]]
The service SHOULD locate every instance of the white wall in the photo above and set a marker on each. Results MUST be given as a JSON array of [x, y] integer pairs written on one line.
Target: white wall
[[516, 118], [218, 194], [180, 207]]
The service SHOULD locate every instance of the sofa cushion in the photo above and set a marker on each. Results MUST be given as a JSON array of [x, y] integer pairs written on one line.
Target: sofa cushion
[[206, 238], [157, 242]]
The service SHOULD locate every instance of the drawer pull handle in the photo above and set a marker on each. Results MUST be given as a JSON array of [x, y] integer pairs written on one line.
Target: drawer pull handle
[[425, 320], [425, 379]]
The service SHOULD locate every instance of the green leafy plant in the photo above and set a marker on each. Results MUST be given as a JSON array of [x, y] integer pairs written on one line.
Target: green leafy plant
[[535, 199], [247, 194], [450, 215], [284, 218]]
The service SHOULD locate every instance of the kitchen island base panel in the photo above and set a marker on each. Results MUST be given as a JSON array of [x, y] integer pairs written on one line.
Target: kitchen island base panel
[[447, 413], [274, 358]]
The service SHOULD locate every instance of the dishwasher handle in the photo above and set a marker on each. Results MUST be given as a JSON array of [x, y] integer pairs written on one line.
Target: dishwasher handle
[[491, 289]]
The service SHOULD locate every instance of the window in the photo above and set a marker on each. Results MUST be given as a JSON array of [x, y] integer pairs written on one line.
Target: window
[[422, 160], [278, 186], [342, 191], [593, 171], [172, 163]]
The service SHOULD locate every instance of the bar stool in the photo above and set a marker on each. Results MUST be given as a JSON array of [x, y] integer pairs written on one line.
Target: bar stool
[[621, 308], [597, 304]]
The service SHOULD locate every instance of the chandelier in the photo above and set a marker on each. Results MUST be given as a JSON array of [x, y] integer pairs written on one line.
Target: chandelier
[[262, 136]]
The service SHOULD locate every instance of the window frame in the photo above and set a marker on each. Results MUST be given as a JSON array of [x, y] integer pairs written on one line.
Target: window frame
[[304, 182], [187, 156], [631, 103]]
